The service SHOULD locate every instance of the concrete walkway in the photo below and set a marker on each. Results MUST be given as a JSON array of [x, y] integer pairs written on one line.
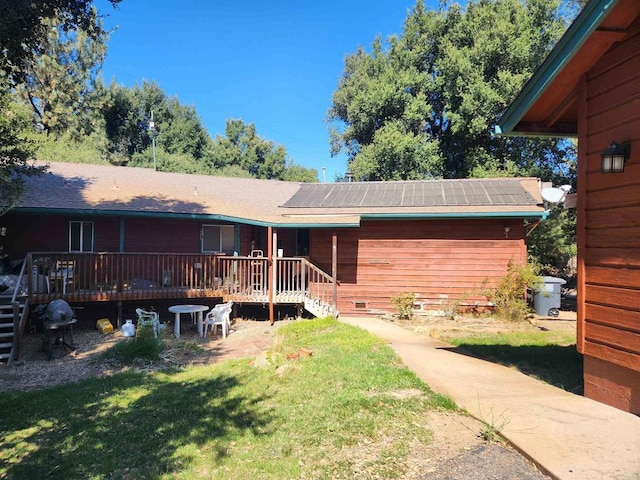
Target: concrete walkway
[[566, 435]]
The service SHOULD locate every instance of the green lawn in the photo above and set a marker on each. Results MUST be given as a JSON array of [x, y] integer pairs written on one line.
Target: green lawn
[[550, 356], [307, 419]]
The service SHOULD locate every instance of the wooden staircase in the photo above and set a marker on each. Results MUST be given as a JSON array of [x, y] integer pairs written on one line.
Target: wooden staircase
[[14, 310], [295, 281], [10, 316], [318, 307]]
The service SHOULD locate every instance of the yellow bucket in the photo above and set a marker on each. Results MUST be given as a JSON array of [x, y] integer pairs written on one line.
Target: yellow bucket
[[104, 325]]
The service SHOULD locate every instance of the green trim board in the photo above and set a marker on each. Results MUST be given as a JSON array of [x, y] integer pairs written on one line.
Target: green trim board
[[195, 216], [543, 215], [576, 35]]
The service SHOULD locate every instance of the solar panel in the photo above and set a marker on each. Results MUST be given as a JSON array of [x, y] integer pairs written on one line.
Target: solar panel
[[426, 193]]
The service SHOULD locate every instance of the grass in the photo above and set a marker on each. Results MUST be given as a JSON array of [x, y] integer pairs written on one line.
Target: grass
[[307, 418], [549, 356]]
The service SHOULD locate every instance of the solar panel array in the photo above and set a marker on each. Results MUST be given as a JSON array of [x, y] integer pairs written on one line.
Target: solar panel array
[[428, 193]]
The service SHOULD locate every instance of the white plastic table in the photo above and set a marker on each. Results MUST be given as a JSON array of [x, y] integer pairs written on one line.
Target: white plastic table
[[178, 309]]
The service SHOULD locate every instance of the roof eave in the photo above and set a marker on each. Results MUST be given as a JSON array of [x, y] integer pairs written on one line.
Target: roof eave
[[195, 216], [576, 35], [528, 214]]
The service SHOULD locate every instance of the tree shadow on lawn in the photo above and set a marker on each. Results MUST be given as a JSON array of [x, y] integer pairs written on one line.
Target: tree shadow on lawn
[[557, 365], [127, 426]]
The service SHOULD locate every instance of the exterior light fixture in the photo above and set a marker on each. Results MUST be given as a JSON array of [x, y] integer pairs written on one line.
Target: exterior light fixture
[[613, 158], [507, 229]]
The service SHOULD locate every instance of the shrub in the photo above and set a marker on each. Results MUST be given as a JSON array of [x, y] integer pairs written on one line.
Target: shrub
[[404, 303], [508, 295], [126, 351]]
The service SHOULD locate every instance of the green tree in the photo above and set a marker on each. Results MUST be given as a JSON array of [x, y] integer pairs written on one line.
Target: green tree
[[241, 146], [15, 151], [422, 105], [59, 83], [24, 24], [179, 130]]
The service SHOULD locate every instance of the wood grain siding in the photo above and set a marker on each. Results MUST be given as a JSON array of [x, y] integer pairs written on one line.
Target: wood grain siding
[[441, 261], [32, 233], [162, 235], [610, 308]]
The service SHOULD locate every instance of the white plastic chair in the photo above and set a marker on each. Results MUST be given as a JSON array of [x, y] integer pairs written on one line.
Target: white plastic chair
[[149, 317], [219, 315]]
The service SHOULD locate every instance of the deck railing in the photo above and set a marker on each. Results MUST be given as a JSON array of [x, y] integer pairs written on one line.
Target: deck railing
[[296, 280], [79, 277], [89, 277]]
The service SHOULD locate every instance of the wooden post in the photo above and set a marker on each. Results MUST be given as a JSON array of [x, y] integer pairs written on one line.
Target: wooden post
[[581, 221], [270, 245], [334, 271]]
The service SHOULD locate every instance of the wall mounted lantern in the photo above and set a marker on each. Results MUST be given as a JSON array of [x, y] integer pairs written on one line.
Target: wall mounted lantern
[[613, 158], [507, 229]]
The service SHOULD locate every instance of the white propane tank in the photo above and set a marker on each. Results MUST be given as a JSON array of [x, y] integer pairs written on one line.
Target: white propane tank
[[128, 329]]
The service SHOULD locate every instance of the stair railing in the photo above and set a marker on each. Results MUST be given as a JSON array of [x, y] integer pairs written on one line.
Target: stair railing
[[19, 321], [320, 287]]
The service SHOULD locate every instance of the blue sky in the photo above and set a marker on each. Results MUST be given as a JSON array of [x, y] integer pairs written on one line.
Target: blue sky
[[274, 64]]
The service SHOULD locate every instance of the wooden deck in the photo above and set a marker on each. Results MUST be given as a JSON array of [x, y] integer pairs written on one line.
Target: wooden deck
[[104, 277], [108, 277]]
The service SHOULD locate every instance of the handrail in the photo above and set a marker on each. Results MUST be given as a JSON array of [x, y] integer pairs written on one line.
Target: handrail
[[296, 280], [19, 321], [109, 276], [19, 281], [320, 288]]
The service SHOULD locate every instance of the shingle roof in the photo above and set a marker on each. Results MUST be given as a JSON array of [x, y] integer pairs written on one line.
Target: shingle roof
[[127, 190]]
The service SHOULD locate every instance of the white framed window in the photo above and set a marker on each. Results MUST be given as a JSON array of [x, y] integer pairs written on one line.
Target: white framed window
[[218, 238], [81, 236]]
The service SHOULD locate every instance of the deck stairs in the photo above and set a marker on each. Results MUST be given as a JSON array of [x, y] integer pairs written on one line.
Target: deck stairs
[[7, 323], [317, 307]]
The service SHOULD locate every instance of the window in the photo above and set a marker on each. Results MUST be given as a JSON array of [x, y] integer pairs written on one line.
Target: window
[[81, 236], [218, 238]]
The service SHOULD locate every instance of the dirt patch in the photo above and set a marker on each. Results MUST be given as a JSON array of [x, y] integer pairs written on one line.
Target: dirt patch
[[464, 326], [34, 371]]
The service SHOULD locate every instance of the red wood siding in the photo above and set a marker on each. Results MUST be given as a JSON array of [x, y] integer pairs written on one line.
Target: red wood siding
[[162, 235], [34, 233], [441, 261], [609, 237]]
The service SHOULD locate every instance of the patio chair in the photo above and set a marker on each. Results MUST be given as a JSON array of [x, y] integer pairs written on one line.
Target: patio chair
[[219, 315], [63, 274], [148, 317]]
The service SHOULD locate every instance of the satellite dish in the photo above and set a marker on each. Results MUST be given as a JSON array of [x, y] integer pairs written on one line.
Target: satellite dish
[[553, 195]]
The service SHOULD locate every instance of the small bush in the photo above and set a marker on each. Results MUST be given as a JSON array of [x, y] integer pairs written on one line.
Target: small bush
[[127, 351], [404, 302], [508, 295]]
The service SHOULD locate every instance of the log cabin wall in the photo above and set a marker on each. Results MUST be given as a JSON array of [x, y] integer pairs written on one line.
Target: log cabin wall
[[609, 229], [441, 261]]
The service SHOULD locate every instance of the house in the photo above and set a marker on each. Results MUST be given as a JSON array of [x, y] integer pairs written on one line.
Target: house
[[589, 88], [135, 234]]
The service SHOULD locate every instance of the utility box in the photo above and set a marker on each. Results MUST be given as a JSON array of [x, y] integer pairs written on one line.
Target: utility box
[[546, 299]]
